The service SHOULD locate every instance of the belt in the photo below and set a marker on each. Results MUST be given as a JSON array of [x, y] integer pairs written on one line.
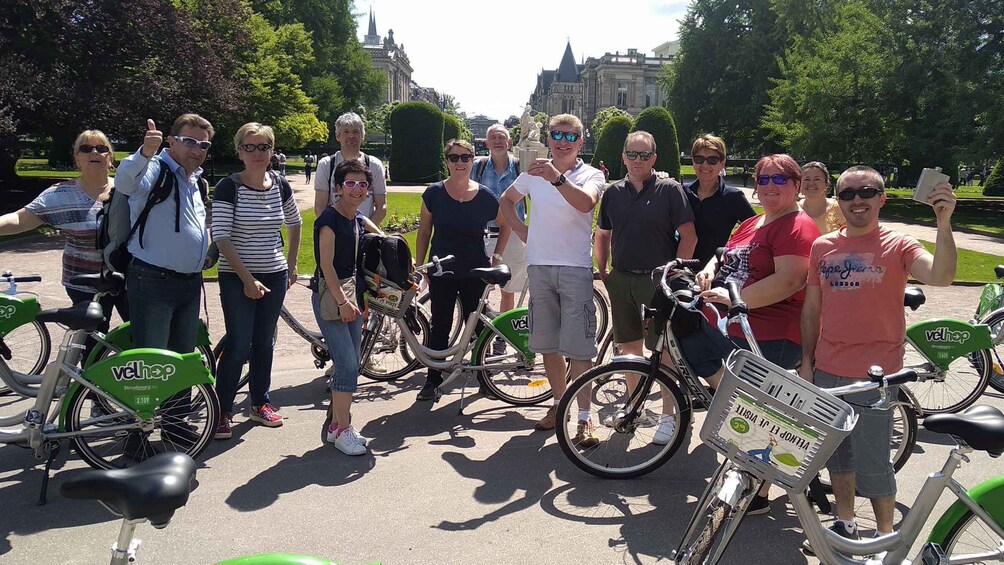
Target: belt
[[636, 271], [493, 229], [491, 236], [163, 271]]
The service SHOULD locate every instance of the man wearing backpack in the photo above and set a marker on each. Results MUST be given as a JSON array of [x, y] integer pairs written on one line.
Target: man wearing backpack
[[498, 171], [169, 249], [350, 133]]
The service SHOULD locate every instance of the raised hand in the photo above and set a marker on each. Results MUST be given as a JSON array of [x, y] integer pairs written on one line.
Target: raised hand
[[152, 141], [943, 199]]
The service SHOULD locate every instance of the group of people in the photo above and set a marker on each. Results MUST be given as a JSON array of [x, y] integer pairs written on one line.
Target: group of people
[[807, 269]]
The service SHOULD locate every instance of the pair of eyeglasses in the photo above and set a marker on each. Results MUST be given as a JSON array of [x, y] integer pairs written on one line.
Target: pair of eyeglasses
[[865, 192], [701, 159], [634, 155], [778, 179], [454, 157], [356, 184], [570, 136], [192, 142], [85, 148], [252, 147]]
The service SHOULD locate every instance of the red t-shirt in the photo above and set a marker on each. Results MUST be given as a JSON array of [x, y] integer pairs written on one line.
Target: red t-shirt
[[749, 258], [862, 277]]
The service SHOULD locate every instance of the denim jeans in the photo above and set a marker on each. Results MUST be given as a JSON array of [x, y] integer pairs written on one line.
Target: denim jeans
[[163, 308], [250, 328], [343, 346]]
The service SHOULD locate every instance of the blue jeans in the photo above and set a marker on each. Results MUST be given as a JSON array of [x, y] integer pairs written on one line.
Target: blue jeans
[[163, 307], [250, 327], [343, 347]]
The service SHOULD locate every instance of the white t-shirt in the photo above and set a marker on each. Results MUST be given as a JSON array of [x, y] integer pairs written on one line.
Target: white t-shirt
[[327, 165], [559, 234]]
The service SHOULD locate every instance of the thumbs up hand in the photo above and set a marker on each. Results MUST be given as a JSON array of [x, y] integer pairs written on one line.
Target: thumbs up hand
[[152, 140]]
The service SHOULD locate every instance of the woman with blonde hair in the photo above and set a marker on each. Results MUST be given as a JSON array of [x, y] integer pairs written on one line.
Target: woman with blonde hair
[[814, 188]]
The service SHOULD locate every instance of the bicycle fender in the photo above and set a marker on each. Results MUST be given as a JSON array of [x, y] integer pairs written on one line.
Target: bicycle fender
[[16, 312], [277, 559], [944, 340], [143, 378], [514, 325], [121, 337], [989, 495]]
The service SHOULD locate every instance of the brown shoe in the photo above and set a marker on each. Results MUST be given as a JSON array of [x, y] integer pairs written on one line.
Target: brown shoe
[[547, 422], [585, 435]]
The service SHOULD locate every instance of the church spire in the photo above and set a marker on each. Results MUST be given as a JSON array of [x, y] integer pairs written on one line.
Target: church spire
[[372, 28], [568, 71]]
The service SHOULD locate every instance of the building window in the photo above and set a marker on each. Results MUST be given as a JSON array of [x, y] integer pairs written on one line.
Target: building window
[[571, 105], [651, 95], [564, 105], [622, 95]]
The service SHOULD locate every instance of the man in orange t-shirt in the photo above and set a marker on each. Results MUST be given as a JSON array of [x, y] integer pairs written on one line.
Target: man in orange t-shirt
[[853, 318]]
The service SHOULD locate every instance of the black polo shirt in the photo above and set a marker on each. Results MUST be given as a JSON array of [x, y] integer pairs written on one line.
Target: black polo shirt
[[644, 223], [716, 216]]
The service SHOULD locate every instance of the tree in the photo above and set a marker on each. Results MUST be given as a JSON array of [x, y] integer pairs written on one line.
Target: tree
[[417, 149], [994, 185], [596, 127], [657, 121], [610, 145], [726, 64], [452, 108]]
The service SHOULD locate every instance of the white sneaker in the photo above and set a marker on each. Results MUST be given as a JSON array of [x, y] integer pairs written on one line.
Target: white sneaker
[[348, 442], [666, 430], [376, 366], [363, 440]]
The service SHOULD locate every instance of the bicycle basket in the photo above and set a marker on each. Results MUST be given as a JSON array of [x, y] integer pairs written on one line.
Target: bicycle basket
[[387, 297], [773, 423]]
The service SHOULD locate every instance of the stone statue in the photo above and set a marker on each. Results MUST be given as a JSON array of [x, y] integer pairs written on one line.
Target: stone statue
[[529, 147], [524, 123]]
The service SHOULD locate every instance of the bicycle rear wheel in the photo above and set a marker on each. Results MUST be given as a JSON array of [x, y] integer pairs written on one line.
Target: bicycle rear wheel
[[184, 423], [970, 536], [626, 448], [996, 322], [30, 346], [384, 353], [958, 388], [715, 521], [602, 313]]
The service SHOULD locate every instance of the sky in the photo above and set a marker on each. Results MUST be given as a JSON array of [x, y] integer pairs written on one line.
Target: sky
[[487, 54]]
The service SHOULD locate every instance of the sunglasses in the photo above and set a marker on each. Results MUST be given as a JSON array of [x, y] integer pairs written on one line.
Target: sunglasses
[[701, 159], [570, 136], [192, 142], [252, 147], [465, 157], [763, 180], [864, 192], [633, 155], [85, 148], [354, 184]]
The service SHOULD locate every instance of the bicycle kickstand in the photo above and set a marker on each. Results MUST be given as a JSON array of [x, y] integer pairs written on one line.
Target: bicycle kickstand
[[53, 449], [818, 495]]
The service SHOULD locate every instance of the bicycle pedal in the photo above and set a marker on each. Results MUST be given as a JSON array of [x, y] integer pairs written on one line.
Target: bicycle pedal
[[438, 394]]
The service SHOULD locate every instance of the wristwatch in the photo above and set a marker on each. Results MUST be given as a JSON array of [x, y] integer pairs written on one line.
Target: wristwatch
[[496, 256], [561, 180]]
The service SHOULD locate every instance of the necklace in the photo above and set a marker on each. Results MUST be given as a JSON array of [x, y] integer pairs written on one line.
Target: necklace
[[462, 197]]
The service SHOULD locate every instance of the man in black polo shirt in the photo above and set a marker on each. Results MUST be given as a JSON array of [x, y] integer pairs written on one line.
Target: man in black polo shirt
[[642, 215], [717, 208]]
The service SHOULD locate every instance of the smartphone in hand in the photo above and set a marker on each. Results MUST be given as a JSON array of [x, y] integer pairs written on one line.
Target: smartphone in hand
[[929, 178]]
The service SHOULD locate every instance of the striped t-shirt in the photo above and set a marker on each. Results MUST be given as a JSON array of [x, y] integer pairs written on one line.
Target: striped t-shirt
[[251, 219], [66, 207]]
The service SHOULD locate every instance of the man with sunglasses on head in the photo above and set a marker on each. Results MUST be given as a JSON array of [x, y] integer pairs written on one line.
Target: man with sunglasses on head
[[350, 133], [853, 318], [165, 275], [564, 191], [717, 208]]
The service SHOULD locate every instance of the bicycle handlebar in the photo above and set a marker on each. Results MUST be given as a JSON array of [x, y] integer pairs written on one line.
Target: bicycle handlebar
[[435, 267], [9, 277]]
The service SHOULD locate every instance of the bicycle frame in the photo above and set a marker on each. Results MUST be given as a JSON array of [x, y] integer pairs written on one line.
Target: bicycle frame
[[944, 340]]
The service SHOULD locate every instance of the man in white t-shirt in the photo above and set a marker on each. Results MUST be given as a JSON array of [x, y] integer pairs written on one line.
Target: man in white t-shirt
[[350, 133], [563, 191]]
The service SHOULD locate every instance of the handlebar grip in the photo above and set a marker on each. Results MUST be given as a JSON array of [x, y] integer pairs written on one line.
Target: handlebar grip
[[904, 376], [688, 263], [738, 306], [27, 278]]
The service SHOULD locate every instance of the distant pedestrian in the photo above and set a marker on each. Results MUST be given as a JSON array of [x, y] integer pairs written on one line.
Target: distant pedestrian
[[281, 159], [984, 174], [308, 164], [606, 173]]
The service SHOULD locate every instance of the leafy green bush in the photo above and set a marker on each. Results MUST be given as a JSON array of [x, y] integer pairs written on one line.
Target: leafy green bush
[[994, 185], [603, 116], [417, 149], [610, 144], [657, 121]]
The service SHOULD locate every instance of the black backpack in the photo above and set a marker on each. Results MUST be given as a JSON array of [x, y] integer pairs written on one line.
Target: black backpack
[[226, 189], [115, 229], [386, 257]]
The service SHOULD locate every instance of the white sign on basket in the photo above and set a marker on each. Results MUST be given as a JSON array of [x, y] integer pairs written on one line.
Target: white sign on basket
[[767, 435]]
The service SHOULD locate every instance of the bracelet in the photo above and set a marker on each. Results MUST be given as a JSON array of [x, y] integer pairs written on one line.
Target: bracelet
[[497, 256], [342, 304]]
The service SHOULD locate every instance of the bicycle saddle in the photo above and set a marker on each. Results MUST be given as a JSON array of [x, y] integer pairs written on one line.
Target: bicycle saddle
[[153, 489], [106, 282], [81, 316], [493, 275], [981, 427], [913, 297]]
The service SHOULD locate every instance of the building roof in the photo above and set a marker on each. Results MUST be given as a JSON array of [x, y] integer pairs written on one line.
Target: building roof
[[372, 28], [568, 71]]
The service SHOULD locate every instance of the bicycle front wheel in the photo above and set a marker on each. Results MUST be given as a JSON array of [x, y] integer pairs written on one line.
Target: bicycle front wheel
[[715, 521], [513, 378], [30, 346], [627, 447], [996, 322], [960, 386], [970, 536], [184, 423], [385, 354]]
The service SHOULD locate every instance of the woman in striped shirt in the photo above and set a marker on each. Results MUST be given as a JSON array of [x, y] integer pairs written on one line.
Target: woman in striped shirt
[[248, 210]]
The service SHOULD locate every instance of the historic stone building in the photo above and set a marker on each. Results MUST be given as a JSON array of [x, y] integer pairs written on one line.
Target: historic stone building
[[479, 125], [390, 58], [626, 80]]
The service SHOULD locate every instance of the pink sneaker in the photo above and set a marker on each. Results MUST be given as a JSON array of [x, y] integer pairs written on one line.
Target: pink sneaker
[[267, 415], [223, 430]]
